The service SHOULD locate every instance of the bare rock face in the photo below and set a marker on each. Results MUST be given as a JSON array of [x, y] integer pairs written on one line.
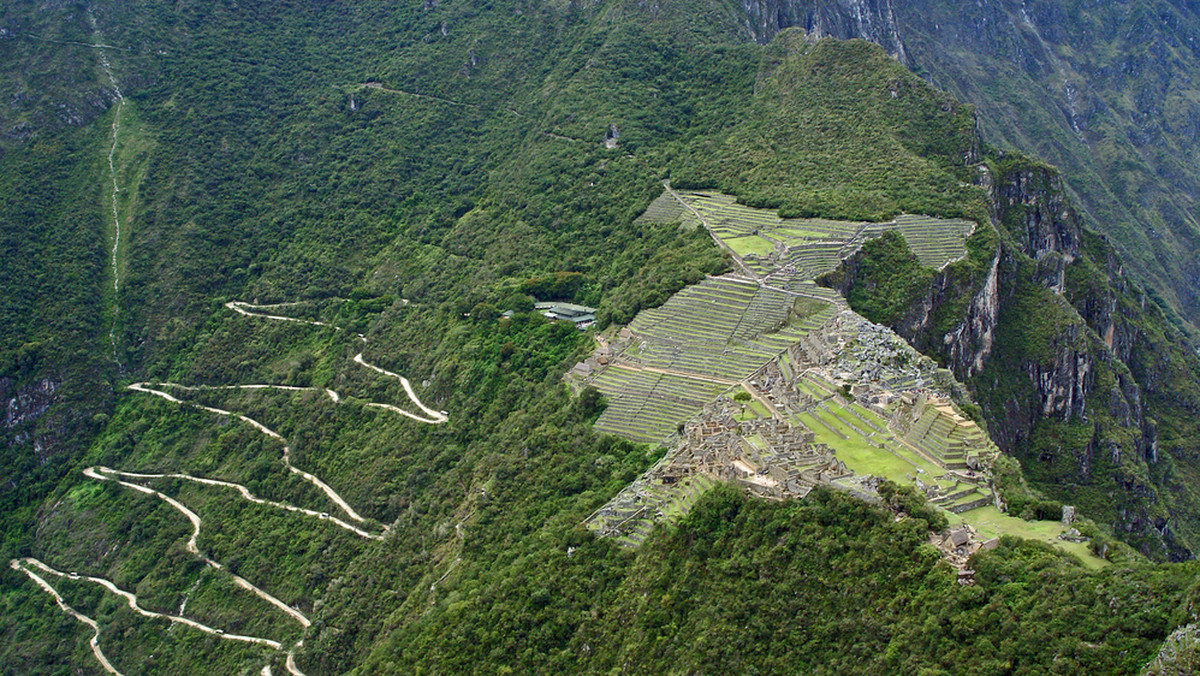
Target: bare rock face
[[1050, 336], [26, 403], [970, 344], [24, 414], [871, 20]]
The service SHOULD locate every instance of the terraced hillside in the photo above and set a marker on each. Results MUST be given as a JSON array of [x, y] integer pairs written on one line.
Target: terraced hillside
[[847, 405], [705, 340], [710, 336], [647, 405], [806, 248], [769, 382]]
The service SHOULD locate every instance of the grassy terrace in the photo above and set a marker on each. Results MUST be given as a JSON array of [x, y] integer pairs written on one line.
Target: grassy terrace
[[750, 244], [860, 438], [665, 210], [724, 327], [811, 245], [853, 432], [640, 505], [647, 406], [935, 241], [991, 522], [698, 344]]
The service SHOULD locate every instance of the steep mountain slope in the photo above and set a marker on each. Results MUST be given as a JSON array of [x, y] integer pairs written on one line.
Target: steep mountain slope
[[304, 187], [1104, 91], [1079, 373]]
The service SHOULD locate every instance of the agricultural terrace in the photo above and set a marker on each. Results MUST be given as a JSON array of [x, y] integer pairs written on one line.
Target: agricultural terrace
[[646, 405], [764, 243], [774, 353], [700, 343], [864, 439]]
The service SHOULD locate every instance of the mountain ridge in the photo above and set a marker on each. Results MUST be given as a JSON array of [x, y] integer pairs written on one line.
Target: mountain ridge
[[274, 176]]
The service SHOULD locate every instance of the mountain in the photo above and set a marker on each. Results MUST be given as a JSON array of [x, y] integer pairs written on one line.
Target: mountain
[[1103, 91], [278, 399]]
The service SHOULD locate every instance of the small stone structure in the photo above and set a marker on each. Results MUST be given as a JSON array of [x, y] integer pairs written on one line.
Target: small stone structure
[[958, 544], [1068, 515]]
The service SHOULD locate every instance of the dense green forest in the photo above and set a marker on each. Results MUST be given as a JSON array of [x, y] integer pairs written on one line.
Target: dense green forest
[[396, 178]]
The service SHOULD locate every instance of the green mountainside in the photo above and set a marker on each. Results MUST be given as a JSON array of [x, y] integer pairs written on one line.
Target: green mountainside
[[1105, 91], [277, 399]]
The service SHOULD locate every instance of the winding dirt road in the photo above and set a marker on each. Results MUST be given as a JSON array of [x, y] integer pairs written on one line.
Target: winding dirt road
[[435, 417], [131, 600], [15, 564], [244, 308], [250, 496], [128, 480], [287, 450], [102, 474]]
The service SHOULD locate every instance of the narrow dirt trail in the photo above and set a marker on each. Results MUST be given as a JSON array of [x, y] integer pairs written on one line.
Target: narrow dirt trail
[[149, 388], [132, 602], [73, 43], [378, 86], [116, 188], [101, 474], [95, 640], [251, 497]]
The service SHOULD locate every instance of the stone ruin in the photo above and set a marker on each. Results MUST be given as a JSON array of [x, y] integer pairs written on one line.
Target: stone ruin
[[957, 544], [768, 457]]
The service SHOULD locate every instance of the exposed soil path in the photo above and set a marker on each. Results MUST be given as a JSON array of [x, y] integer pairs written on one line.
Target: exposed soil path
[[435, 417], [107, 474], [149, 388], [116, 189], [131, 600], [290, 662], [379, 87], [95, 640], [93, 45], [130, 480], [250, 496], [244, 308]]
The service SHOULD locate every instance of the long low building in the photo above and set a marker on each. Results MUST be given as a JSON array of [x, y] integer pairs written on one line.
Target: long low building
[[580, 315]]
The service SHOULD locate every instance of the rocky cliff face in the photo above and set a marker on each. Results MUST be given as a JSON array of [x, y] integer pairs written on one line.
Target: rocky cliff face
[[26, 403], [24, 433], [1068, 83], [1083, 424], [872, 20], [1059, 347]]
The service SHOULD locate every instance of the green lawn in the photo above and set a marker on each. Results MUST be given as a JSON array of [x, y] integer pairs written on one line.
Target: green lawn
[[758, 407], [991, 522], [858, 454], [752, 244]]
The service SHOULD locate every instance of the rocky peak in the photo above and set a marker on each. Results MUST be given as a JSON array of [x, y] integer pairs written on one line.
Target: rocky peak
[[1033, 205], [871, 20]]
